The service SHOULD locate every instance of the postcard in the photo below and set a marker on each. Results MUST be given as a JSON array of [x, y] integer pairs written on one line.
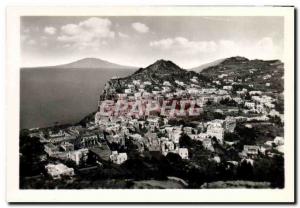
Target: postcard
[[150, 104]]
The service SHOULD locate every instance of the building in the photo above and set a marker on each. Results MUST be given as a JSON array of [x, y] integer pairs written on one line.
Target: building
[[230, 124], [118, 158], [183, 153], [255, 93], [251, 150], [167, 146], [78, 155], [58, 170], [127, 91], [100, 153], [66, 146], [53, 134], [89, 139], [174, 133], [50, 149], [250, 105], [279, 140], [153, 123], [207, 144], [229, 87], [215, 129]]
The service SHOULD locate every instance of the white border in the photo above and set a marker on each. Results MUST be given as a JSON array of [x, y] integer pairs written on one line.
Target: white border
[[105, 195]]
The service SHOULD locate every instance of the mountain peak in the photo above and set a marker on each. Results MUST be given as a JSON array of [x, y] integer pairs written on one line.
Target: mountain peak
[[235, 59], [161, 66], [164, 63]]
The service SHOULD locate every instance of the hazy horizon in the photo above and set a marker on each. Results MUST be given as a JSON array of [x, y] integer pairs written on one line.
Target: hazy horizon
[[134, 66]]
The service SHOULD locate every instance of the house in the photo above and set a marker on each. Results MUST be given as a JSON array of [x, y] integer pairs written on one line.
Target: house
[[58, 170], [217, 99], [255, 92], [136, 137], [183, 153], [279, 140], [249, 105], [88, 139], [222, 76], [238, 100], [53, 134], [66, 146], [100, 153], [230, 124], [280, 148], [187, 130], [194, 79], [78, 155], [215, 129], [138, 95], [240, 92], [147, 83], [251, 150], [154, 144], [179, 83], [207, 144], [269, 143], [127, 91], [174, 134], [118, 158], [167, 146], [121, 96], [50, 149], [216, 159], [136, 82], [153, 123], [229, 87], [167, 83]]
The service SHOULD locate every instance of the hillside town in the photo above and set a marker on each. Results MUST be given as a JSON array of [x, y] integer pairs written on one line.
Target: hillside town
[[195, 125]]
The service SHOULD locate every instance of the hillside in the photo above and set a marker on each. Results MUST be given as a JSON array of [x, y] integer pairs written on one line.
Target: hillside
[[260, 74], [156, 75]]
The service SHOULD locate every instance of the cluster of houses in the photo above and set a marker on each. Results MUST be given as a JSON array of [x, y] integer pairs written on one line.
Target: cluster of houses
[[153, 132]]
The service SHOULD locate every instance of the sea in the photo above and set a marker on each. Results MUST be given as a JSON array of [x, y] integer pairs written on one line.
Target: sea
[[61, 95]]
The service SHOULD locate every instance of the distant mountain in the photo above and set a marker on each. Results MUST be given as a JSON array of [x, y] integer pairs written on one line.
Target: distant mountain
[[204, 66], [90, 63]]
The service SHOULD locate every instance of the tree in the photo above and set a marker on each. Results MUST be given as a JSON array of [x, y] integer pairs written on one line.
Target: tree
[[185, 141], [30, 149], [245, 171]]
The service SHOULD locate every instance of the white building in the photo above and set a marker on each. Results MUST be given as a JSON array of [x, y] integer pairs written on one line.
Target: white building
[[127, 91], [251, 149], [255, 93], [250, 105], [229, 87], [118, 158], [279, 140], [215, 129], [183, 153], [58, 170], [230, 124]]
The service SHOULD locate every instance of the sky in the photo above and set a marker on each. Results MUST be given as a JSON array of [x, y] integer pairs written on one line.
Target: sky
[[140, 41]]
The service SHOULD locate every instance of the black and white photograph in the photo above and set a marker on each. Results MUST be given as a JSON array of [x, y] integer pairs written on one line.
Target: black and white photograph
[[114, 102]]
